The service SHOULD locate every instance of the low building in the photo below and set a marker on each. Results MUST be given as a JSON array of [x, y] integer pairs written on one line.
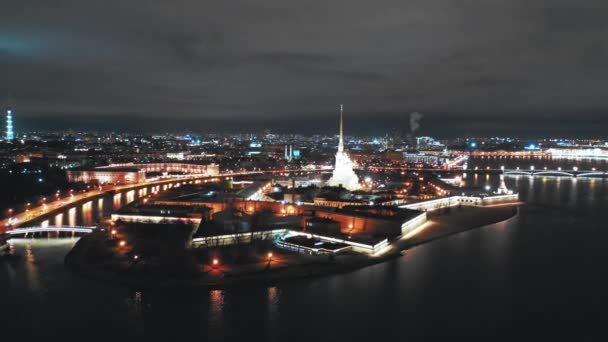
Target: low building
[[163, 213], [225, 221], [322, 225], [310, 245], [102, 176], [135, 173], [428, 159], [256, 190]]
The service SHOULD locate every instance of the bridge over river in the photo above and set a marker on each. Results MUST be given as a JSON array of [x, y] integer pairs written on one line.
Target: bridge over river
[[25, 231], [575, 172], [83, 207], [97, 202]]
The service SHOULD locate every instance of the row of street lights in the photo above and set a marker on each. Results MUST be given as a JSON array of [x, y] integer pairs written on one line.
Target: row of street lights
[[559, 168], [215, 262]]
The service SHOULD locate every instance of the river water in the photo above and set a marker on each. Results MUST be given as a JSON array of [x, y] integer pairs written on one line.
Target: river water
[[541, 274]]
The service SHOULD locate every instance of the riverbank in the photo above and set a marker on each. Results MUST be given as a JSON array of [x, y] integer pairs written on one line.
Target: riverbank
[[441, 224], [283, 266]]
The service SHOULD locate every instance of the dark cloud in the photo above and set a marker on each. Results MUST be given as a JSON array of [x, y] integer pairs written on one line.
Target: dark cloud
[[472, 66]]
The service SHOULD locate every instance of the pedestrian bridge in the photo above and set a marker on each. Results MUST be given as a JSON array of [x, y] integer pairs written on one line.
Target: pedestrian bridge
[[51, 229]]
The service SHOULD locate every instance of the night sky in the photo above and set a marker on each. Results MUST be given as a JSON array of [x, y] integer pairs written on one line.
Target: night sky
[[509, 67]]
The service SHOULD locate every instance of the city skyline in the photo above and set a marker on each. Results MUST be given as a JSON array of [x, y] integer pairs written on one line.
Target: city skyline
[[322, 170], [389, 125]]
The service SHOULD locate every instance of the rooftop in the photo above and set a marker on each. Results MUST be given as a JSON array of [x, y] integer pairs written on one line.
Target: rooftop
[[305, 241]]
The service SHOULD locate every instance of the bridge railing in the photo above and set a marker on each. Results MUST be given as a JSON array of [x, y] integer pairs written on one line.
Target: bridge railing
[[71, 229]]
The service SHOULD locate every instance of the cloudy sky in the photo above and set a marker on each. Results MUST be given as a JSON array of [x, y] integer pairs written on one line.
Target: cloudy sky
[[516, 67]]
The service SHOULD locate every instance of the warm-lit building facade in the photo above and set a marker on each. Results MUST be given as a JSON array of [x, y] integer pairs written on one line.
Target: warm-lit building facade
[[135, 173], [109, 176]]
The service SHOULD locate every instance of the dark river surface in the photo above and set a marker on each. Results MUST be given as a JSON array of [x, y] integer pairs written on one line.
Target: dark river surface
[[542, 274]]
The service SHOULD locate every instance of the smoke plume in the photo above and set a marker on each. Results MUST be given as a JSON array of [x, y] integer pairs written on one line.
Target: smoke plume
[[415, 121]]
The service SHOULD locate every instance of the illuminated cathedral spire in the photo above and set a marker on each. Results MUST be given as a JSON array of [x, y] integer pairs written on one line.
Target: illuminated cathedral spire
[[343, 174], [10, 134], [341, 142]]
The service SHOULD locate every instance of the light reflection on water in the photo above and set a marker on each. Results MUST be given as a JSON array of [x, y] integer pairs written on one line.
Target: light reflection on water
[[135, 310], [504, 276], [87, 214], [72, 217], [216, 310], [32, 270]]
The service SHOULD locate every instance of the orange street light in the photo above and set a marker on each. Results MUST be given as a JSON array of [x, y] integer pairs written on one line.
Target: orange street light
[[269, 255], [122, 243], [215, 262]]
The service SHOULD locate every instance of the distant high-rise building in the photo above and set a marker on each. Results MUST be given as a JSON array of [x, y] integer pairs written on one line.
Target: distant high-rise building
[[288, 152], [10, 134]]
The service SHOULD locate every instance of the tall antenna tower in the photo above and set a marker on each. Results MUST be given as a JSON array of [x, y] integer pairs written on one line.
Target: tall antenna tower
[[10, 134]]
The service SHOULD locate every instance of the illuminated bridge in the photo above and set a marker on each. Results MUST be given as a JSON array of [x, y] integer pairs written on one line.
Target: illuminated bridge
[[531, 171], [57, 213], [558, 172], [51, 229]]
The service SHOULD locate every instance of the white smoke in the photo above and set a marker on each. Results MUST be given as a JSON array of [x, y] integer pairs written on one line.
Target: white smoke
[[415, 121]]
